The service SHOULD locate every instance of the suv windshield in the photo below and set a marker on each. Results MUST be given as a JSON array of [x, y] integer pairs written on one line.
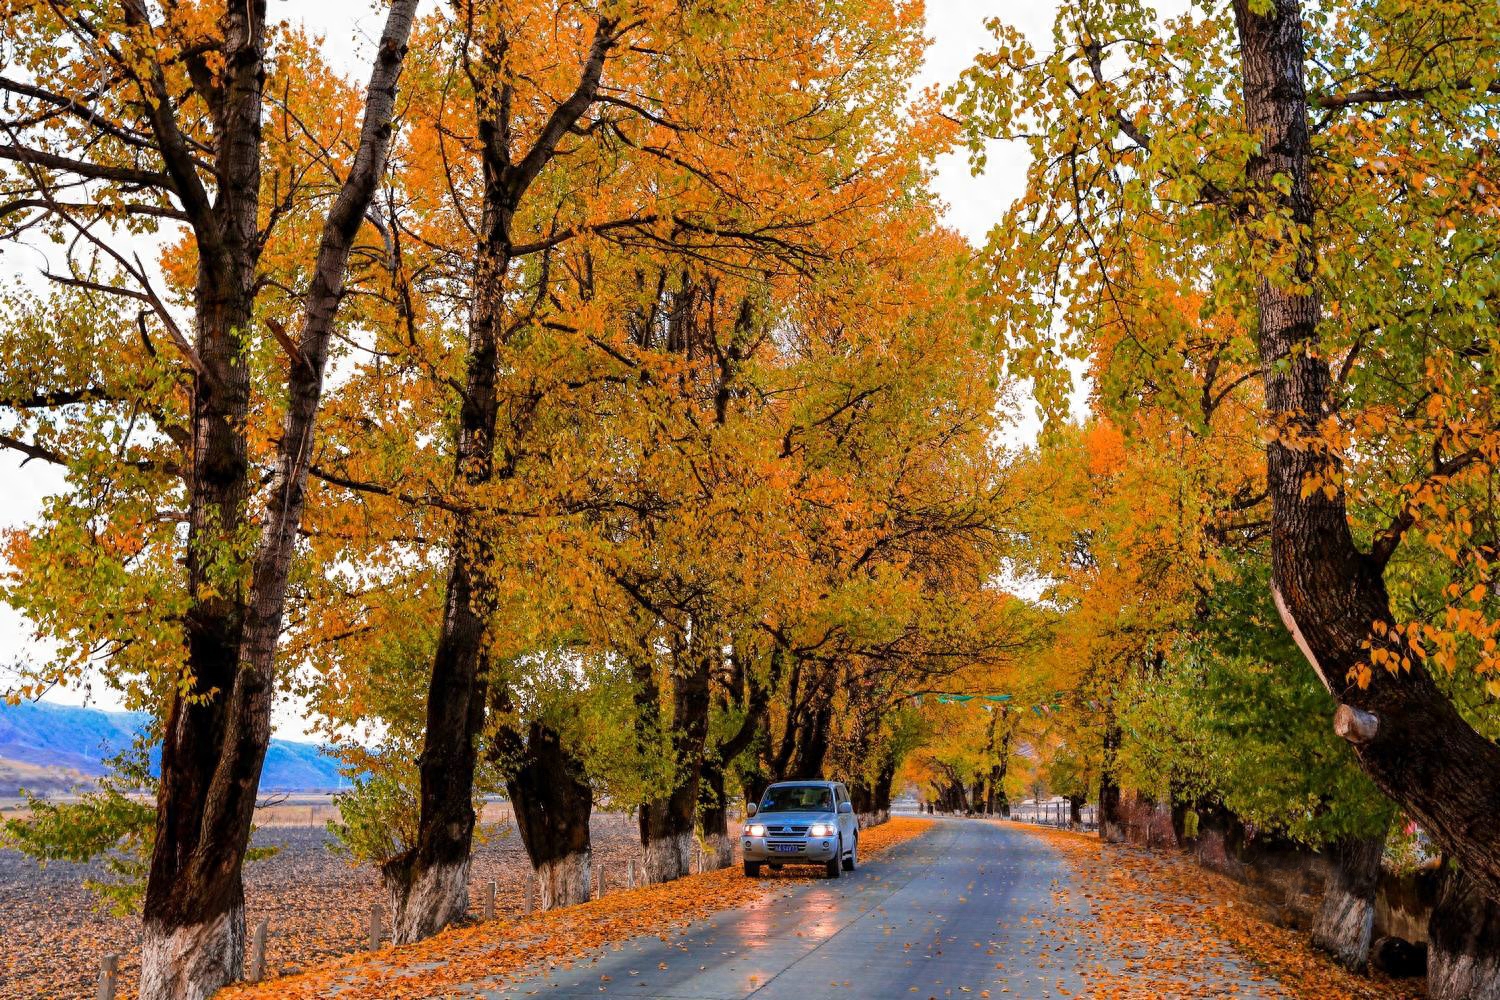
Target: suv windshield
[[796, 798]]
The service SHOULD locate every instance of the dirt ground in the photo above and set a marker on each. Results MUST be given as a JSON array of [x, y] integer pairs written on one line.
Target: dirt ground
[[52, 939]]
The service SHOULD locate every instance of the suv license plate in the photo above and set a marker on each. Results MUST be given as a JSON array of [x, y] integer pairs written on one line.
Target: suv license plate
[[787, 848]]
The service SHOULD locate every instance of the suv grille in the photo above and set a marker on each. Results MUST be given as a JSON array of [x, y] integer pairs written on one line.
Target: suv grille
[[798, 830]]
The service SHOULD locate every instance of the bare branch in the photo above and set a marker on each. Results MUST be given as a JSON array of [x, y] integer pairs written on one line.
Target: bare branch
[[83, 168]]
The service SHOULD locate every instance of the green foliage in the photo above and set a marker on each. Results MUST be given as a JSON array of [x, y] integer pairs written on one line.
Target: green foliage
[[378, 816], [115, 824], [1236, 717]]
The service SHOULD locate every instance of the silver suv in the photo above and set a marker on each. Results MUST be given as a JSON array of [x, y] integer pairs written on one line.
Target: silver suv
[[802, 823]]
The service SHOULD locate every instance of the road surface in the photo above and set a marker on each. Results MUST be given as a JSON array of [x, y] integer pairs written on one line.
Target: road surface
[[970, 909]]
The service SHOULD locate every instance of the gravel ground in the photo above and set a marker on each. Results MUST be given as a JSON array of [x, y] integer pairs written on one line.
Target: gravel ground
[[52, 939]]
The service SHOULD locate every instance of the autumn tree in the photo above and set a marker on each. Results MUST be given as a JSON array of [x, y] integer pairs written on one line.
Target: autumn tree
[[613, 188], [126, 118], [1339, 152]]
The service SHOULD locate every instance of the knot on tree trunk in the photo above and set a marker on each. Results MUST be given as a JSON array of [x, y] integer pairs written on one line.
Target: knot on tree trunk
[[1355, 724]]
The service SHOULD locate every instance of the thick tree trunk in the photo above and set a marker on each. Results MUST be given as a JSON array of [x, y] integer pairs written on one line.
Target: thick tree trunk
[[713, 818], [754, 784], [428, 883], [667, 841], [1406, 734], [998, 803], [667, 823], [1346, 918], [552, 801], [883, 779], [872, 799], [213, 748], [1075, 812], [193, 918], [1111, 819], [1463, 951], [713, 806], [812, 742]]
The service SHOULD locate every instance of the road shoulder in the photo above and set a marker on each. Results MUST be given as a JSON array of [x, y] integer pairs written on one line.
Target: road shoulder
[[1150, 924]]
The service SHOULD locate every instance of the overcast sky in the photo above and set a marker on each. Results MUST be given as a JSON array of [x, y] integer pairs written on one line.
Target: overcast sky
[[956, 28]]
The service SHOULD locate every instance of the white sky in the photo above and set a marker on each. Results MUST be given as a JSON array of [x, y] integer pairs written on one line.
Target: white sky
[[956, 28]]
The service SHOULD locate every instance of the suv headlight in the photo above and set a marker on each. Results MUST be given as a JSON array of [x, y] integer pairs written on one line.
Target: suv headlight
[[755, 830], [820, 830]]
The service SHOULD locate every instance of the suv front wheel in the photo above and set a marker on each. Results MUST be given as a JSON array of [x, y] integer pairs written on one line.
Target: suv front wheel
[[852, 861], [835, 868], [752, 869]]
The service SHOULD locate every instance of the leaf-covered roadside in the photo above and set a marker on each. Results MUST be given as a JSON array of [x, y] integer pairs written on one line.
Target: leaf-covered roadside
[[1151, 925], [445, 964]]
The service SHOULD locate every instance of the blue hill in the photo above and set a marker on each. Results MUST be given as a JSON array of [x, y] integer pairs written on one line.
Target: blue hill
[[66, 737]]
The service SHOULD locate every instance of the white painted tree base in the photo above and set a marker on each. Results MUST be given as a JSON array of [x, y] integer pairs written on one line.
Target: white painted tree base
[[1463, 976], [193, 962], [437, 897], [565, 881], [718, 852], [666, 858], [1343, 928]]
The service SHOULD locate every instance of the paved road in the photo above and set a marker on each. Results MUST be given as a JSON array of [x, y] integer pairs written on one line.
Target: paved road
[[951, 914]]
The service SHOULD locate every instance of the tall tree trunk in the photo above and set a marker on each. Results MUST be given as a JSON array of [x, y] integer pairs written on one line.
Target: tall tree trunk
[[193, 929], [1075, 812], [713, 804], [552, 801], [1463, 951], [998, 803], [713, 817], [812, 741], [667, 822], [1405, 732], [1111, 819], [1346, 917], [883, 779], [428, 884], [213, 748]]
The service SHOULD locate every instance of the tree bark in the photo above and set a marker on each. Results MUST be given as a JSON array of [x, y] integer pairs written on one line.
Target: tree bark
[[428, 884], [1463, 951], [1346, 918], [1111, 820], [812, 741], [883, 780], [213, 748], [1331, 595], [667, 823], [713, 817], [713, 804], [552, 801]]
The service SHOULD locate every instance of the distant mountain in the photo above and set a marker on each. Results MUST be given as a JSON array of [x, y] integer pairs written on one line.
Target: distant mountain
[[49, 747]]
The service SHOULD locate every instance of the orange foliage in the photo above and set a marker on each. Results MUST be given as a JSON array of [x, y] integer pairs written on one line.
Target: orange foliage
[[1199, 929]]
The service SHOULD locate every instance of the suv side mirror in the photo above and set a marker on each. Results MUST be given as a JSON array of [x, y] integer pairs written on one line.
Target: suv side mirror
[[750, 808], [846, 807]]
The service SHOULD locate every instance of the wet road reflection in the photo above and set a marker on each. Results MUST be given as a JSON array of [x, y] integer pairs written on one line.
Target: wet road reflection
[[954, 913]]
